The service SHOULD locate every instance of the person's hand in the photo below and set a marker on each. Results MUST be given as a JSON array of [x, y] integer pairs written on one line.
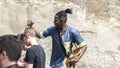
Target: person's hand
[[73, 61], [30, 23], [21, 62]]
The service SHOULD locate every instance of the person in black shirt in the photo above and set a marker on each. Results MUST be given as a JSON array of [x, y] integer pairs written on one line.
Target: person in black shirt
[[10, 51], [35, 55]]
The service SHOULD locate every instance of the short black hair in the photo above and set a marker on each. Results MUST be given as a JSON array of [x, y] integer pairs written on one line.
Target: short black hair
[[12, 46], [64, 12]]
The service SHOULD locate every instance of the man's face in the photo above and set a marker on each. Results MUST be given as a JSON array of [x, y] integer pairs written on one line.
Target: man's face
[[59, 21], [26, 41]]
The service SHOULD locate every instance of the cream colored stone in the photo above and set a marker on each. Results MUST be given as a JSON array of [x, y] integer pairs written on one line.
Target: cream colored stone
[[96, 20]]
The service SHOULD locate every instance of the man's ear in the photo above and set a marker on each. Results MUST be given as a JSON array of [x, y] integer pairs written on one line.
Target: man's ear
[[3, 55]]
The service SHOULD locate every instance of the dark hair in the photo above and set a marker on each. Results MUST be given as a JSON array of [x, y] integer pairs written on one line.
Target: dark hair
[[12, 46], [64, 12]]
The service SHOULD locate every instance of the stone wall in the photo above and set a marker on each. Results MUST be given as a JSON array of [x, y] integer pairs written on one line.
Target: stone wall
[[98, 21]]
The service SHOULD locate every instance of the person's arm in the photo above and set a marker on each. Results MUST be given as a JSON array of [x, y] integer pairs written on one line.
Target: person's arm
[[45, 33], [37, 33], [77, 38], [83, 49], [75, 60], [27, 65], [30, 25]]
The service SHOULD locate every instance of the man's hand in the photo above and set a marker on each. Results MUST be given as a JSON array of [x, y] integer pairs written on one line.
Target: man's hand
[[21, 62], [73, 61], [30, 23]]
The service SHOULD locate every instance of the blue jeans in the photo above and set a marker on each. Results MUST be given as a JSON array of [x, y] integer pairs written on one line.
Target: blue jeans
[[60, 65]]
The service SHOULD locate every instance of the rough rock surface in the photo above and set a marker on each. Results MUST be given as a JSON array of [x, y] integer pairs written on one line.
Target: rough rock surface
[[97, 20]]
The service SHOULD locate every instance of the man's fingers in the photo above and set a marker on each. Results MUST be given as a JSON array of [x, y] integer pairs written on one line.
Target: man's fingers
[[30, 23]]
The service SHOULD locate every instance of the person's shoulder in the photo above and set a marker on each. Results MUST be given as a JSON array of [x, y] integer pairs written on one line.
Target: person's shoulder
[[29, 49], [52, 27], [72, 29], [34, 47], [37, 49]]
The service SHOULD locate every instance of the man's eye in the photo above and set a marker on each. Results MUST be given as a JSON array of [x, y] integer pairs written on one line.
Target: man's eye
[[55, 20]]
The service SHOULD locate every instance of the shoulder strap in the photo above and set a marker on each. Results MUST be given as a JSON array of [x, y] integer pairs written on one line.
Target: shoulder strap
[[62, 45]]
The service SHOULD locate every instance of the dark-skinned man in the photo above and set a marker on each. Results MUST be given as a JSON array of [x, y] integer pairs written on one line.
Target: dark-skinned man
[[62, 38]]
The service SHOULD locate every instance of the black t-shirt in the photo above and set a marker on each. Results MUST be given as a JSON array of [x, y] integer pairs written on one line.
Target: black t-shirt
[[35, 55]]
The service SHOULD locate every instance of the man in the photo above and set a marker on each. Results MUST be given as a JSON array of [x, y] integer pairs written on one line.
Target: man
[[10, 51], [35, 55], [62, 33]]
